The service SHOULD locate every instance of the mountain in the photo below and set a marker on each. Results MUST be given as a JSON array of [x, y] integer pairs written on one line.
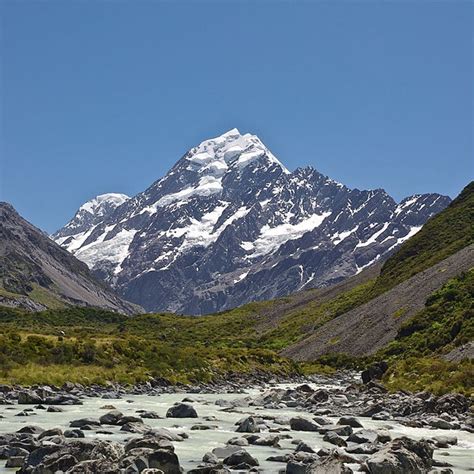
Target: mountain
[[229, 224], [36, 273], [407, 293], [414, 311]]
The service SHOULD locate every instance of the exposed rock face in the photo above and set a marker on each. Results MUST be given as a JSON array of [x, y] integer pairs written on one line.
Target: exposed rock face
[[29, 261], [230, 224]]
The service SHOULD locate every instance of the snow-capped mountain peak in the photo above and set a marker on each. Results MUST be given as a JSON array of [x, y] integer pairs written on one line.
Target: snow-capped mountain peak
[[88, 216], [229, 150], [103, 202], [229, 224]]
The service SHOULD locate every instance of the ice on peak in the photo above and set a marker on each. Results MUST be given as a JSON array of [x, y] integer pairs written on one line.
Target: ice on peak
[[112, 199], [216, 155], [230, 133]]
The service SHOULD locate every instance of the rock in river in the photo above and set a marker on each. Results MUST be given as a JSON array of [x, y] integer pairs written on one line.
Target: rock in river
[[181, 410]]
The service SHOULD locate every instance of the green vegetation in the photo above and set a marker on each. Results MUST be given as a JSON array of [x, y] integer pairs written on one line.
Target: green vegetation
[[430, 374], [45, 297], [98, 346], [447, 321], [92, 345], [443, 235], [300, 322]]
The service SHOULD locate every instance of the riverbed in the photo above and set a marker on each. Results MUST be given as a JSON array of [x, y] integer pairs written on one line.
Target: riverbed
[[223, 423]]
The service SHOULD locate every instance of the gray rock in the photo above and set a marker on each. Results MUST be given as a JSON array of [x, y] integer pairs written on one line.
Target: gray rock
[[350, 421], [181, 410], [334, 438], [240, 457], [303, 424], [363, 436], [83, 422], [149, 441], [401, 456], [248, 425], [341, 430], [111, 418]]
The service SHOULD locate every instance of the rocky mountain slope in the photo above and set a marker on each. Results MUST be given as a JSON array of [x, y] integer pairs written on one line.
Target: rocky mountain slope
[[441, 251], [229, 224], [384, 315], [36, 273]]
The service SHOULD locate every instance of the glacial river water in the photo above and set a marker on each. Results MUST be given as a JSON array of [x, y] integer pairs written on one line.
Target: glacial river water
[[191, 450]]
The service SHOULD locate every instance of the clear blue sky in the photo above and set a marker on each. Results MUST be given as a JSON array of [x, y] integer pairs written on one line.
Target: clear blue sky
[[105, 96]]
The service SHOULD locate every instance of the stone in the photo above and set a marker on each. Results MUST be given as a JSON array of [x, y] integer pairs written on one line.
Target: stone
[[74, 434], [83, 422], [135, 427], [445, 441], [319, 396], [240, 457], [181, 410], [31, 429], [111, 418], [149, 441], [341, 430], [306, 448], [334, 438], [401, 456], [350, 421], [328, 465], [302, 424], [51, 432], [29, 398], [248, 425], [363, 436]]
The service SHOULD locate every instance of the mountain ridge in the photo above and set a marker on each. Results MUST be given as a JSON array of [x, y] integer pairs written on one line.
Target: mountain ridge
[[36, 273], [229, 224]]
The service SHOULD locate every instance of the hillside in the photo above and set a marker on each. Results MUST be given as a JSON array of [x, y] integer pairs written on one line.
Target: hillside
[[36, 273], [441, 250], [368, 328]]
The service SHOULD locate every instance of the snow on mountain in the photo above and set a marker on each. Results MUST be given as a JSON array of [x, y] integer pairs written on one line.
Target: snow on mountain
[[230, 224]]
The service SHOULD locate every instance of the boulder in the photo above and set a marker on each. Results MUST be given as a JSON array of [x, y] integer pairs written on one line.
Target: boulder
[[401, 456], [303, 424], [341, 430], [319, 396], [248, 425], [240, 457], [140, 459], [29, 398], [111, 418], [363, 436], [350, 421], [334, 438], [304, 447], [181, 410], [149, 441], [75, 433], [328, 465], [83, 422], [51, 432], [135, 427], [375, 371]]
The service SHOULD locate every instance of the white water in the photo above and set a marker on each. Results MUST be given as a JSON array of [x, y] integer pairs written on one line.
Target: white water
[[191, 450]]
